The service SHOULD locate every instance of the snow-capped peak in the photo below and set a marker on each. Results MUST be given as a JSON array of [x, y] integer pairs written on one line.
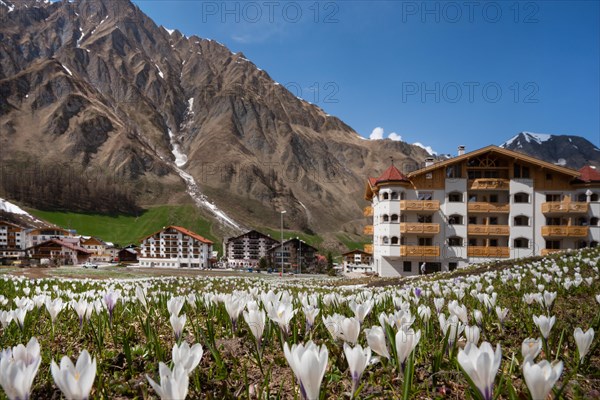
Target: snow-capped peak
[[529, 137]]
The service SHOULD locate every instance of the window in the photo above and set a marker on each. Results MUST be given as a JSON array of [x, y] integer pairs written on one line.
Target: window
[[472, 220], [455, 241], [385, 240], [452, 266], [425, 241], [425, 196], [521, 171], [581, 244], [472, 198], [582, 221], [407, 266], [593, 244], [521, 243], [553, 244], [394, 217], [394, 240], [394, 196], [521, 198], [493, 221], [455, 219], [521, 220], [385, 195], [403, 218], [493, 198], [582, 197], [594, 221], [386, 218], [424, 219], [493, 243], [553, 197], [554, 221], [549, 177], [455, 197], [454, 171], [402, 240], [472, 242], [594, 197]]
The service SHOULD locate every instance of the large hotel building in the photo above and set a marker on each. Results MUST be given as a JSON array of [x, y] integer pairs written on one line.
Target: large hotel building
[[485, 205]]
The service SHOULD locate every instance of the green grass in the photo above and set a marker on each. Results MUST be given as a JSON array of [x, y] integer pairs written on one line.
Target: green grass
[[124, 230], [353, 244]]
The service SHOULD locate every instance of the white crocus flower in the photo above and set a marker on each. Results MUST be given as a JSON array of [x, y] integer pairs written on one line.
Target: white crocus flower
[[481, 365], [530, 348], [376, 341], [177, 323], [75, 381], [545, 324], [472, 334], [175, 304], [309, 364], [54, 307], [256, 322], [406, 341], [350, 330], [18, 368], [358, 359], [584, 341], [173, 383], [186, 356], [541, 377]]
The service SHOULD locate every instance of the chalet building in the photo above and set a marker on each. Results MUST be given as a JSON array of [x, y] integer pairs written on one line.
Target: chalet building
[[485, 205], [12, 236], [40, 235], [128, 255], [63, 253], [174, 247], [357, 261], [296, 256], [247, 249], [99, 249]]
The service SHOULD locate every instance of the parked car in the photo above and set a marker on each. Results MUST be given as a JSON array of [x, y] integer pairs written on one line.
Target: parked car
[[90, 265]]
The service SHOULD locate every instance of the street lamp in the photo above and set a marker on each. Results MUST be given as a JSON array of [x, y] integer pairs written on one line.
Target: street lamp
[[282, 212]]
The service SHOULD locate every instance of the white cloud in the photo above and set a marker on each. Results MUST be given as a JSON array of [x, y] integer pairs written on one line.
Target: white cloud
[[427, 148], [394, 136], [377, 134]]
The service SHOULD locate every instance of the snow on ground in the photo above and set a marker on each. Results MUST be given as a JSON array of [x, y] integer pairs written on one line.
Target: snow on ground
[[159, 71], [80, 37], [180, 157], [68, 70], [190, 109], [11, 208], [529, 137]]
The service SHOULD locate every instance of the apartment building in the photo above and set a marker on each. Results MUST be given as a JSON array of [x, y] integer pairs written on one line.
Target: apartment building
[[488, 204], [12, 240], [295, 256], [174, 247], [246, 250]]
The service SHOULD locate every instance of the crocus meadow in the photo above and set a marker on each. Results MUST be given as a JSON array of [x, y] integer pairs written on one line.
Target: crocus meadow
[[518, 330]]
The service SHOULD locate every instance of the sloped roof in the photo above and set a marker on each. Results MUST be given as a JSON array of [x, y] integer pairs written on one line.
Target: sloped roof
[[356, 251], [184, 231], [589, 174], [392, 174], [63, 244], [249, 232]]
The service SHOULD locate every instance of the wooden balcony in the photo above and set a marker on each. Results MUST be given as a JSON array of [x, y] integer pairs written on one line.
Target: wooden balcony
[[368, 211], [488, 184], [486, 251], [408, 227], [419, 205], [565, 231], [420, 251], [368, 230], [368, 248], [483, 207], [560, 207], [488, 230], [545, 252]]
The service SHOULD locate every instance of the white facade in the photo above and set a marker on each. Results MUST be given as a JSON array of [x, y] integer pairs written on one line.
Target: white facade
[[479, 207], [175, 247]]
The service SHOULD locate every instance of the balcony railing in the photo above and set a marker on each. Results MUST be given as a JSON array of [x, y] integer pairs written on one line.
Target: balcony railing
[[545, 252], [489, 184], [419, 205], [420, 251], [368, 230], [484, 207], [488, 251], [368, 211], [497, 230], [568, 231], [368, 248], [407, 227], [558, 207]]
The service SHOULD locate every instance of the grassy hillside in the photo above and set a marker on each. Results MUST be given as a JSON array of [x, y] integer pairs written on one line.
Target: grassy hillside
[[127, 229]]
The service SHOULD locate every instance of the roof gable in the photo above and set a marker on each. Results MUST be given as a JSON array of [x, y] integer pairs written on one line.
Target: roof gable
[[589, 174], [392, 174]]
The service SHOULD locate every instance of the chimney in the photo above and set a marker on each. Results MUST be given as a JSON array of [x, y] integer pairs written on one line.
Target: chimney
[[428, 162], [461, 150]]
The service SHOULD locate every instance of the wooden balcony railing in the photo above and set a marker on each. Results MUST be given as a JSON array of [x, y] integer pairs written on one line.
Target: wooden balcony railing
[[368, 211], [419, 205], [420, 251], [483, 207], [558, 207], [489, 184], [368, 230], [368, 248], [567, 231], [545, 252], [409, 227], [487, 251], [497, 230]]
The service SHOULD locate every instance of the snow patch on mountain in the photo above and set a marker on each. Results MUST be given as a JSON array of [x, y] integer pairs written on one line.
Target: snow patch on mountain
[[529, 137]]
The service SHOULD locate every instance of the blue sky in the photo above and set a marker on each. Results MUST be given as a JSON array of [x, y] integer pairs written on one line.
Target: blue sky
[[438, 73]]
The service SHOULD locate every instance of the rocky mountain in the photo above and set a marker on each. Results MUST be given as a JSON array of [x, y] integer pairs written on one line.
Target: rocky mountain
[[97, 86], [567, 150]]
